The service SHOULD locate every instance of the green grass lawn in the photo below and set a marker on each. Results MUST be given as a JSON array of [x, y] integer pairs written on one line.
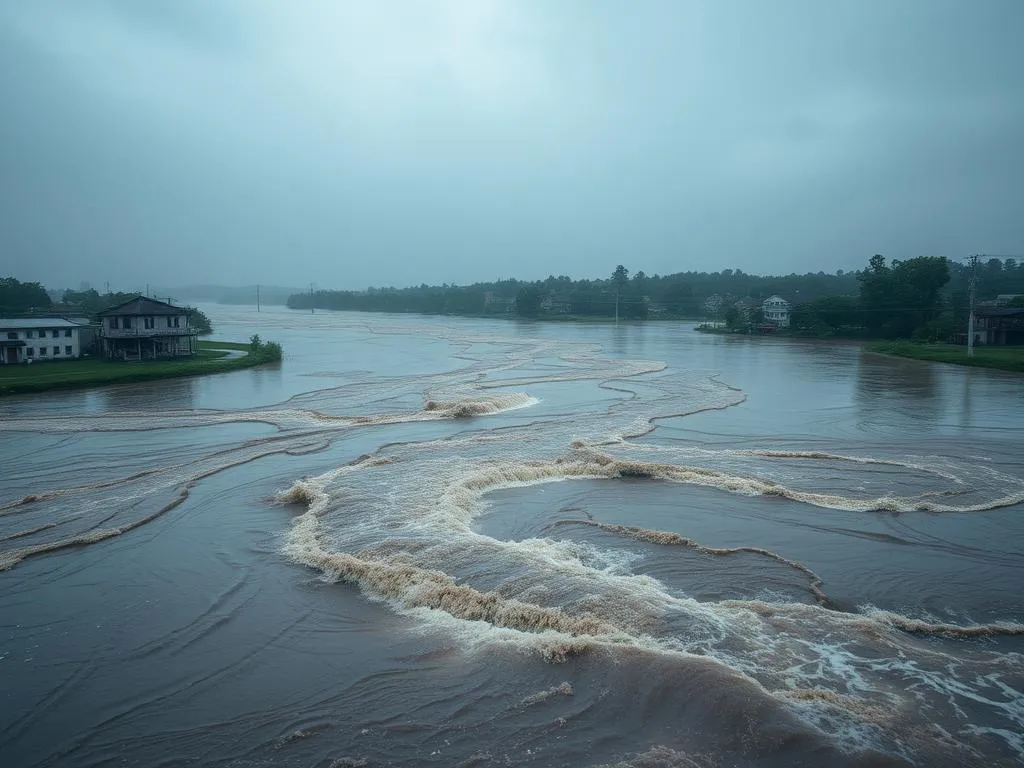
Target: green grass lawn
[[233, 345], [213, 357], [1003, 358]]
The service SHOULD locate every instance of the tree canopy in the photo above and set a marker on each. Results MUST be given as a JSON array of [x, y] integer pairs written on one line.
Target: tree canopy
[[17, 297]]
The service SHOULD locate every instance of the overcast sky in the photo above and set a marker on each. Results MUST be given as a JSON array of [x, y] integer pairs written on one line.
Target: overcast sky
[[393, 143]]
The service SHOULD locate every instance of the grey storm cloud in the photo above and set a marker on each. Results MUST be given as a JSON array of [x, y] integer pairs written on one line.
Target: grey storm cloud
[[393, 143]]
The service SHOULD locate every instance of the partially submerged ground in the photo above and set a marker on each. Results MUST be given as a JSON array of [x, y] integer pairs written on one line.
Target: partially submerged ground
[[212, 357], [1002, 358]]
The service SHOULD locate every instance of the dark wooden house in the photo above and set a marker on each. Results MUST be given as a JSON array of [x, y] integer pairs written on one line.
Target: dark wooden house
[[146, 329], [999, 325]]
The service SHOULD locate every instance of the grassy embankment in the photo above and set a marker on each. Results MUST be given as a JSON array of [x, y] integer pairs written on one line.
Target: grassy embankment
[[1003, 358], [213, 357]]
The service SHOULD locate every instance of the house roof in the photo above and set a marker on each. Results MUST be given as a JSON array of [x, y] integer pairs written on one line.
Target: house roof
[[31, 323], [142, 305]]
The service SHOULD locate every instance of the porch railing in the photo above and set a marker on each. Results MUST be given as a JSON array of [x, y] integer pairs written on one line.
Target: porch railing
[[146, 333]]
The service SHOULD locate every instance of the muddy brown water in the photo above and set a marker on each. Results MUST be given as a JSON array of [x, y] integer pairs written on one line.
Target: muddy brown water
[[443, 541]]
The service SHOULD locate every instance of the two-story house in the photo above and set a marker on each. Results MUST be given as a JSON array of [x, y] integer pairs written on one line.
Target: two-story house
[[776, 311], [146, 329], [42, 338]]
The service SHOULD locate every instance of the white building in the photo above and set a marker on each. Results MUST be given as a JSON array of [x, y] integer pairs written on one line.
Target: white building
[[42, 338], [776, 311]]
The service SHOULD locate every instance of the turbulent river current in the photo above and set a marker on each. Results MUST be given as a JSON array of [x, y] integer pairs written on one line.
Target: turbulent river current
[[475, 543]]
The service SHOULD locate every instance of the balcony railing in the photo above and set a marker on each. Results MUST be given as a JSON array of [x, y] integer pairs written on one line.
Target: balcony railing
[[145, 333]]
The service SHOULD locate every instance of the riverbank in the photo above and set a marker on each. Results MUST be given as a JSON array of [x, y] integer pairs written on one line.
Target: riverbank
[[213, 357], [1001, 358]]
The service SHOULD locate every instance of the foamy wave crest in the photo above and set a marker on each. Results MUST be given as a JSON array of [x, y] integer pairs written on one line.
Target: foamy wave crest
[[409, 587], [461, 409], [943, 629]]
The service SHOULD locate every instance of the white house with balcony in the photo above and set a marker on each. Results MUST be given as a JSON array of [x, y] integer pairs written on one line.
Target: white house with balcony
[[38, 339], [146, 329], [776, 311]]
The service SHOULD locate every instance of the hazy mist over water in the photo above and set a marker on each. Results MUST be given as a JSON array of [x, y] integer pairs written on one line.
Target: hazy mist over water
[[394, 143], [467, 542]]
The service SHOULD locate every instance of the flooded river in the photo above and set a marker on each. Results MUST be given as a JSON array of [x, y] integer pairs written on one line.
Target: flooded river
[[456, 542]]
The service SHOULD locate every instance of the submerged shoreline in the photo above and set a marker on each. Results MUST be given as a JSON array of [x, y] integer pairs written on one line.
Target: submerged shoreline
[[998, 358], [995, 358], [213, 357]]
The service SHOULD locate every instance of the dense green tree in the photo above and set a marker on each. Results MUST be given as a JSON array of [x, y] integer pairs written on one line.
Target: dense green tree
[[897, 300], [528, 301], [197, 319], [17, 297], [620, 278], [733, 318]]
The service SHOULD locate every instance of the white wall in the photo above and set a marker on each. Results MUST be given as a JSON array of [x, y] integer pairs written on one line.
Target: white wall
[[34, 342]]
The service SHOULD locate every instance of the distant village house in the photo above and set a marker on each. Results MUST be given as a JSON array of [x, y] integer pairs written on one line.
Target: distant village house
[[494, 302], [776, 311], [556, 305], [999, 325]]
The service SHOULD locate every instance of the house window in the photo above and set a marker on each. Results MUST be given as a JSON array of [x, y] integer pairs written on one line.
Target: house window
[[12, 334], [67, 350], [126, 322], [30, 351], [67, 333], [28, 334], [56, 334], [149, 323], [42, 351], [170, 324], [56, 350], [113, 323]]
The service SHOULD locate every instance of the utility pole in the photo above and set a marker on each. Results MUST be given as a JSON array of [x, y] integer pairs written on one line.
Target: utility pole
[[312, 309], [972, 283]]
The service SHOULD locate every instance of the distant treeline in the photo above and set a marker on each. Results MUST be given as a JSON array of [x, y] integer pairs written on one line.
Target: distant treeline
[[681, 295], [924, 298]]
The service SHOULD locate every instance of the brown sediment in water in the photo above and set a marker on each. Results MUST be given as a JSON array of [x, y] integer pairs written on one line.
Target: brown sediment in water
[[414, 587], [875, 622], [942, 629], [468, 408], [668, 538], [29, 532], [563, 689], [661, 756], [11, 557], [864, 711]]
